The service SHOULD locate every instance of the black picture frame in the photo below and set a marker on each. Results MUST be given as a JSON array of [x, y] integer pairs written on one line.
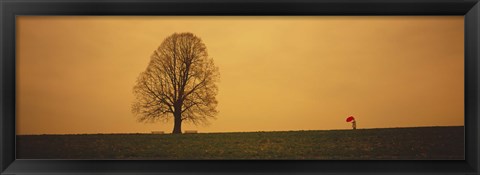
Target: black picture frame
[[9, 9]]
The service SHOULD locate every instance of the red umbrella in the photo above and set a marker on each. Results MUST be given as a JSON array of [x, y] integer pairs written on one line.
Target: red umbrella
[[349, 119]]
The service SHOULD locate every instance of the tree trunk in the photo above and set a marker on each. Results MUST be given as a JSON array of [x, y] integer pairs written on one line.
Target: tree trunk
[[177, 126]]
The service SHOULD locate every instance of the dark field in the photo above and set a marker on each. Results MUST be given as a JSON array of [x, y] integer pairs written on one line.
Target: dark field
[[393, 143]]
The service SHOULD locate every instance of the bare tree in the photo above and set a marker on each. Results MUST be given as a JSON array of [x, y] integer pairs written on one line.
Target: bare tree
[[179, 82]]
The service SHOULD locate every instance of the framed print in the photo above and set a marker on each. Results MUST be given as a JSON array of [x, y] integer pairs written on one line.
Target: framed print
[[226, 84], [192, 87]]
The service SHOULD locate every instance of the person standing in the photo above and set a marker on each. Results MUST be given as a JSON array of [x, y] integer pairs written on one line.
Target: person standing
[[354, 124]]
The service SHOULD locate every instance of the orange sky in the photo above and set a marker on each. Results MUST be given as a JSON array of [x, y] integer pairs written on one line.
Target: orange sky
[[76, 74]]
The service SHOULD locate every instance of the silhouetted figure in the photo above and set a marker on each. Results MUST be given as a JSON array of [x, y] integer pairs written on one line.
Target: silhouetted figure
[[352, 119]]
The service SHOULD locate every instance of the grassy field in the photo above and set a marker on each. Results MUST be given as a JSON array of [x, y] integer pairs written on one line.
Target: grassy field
[[392, 143]]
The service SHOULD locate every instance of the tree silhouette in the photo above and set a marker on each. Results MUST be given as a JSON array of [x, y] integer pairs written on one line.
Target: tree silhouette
[[179, 82]]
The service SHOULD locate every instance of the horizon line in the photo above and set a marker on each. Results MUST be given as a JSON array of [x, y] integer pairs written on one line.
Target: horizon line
[[167, 133]]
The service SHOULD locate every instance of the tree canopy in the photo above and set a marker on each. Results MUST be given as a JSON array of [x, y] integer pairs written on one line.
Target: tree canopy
[[179, 83]]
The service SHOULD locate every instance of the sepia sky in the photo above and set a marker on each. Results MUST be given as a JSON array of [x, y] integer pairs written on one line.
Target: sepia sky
[[76, 74]]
